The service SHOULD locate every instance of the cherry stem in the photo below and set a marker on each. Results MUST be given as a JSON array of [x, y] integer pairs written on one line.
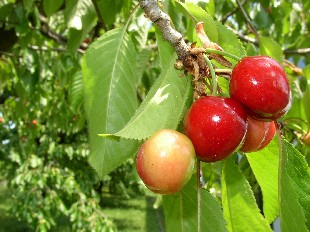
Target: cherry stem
[[210, 50], [223, 70], [214, 78], [198, 195]]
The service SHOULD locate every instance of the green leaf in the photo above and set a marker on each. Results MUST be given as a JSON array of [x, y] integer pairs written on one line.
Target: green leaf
[[197, 14], [163, 107], [240, 209], [306, 97], [265, 165], [81, 18], [138, 30], [294, 190], [166, 52], [269, 47], [165, 104], [109, 9], [28, 4], [229, 42], [51, 6], [180, 210], [216, 31], [142, 60], [76, 93], [110, 97]]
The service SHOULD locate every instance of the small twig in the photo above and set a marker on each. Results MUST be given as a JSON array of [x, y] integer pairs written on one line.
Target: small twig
[[8, 54], [101, 22], [43, 48], [162, 20], [299, 51], [225, 17], [247, 18]]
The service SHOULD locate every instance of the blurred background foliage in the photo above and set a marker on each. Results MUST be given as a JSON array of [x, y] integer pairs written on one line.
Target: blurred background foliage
[[43, 129]]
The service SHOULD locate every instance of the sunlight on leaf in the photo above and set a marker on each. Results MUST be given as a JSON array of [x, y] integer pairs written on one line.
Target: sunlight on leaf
[[240, 209]]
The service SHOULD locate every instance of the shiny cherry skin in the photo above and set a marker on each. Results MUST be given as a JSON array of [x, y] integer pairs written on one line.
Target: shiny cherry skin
[[258, 135], [165, 162], [216, 126], [260, 83]]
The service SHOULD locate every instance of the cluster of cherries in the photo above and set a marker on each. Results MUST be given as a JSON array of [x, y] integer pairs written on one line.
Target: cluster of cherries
[[216, 126]]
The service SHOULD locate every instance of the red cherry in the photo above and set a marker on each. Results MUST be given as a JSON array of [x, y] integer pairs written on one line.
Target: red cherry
[[1, 120], [216, 126], [258, 135], [34, 122], [269, 136], [260, 83], [165, 162]]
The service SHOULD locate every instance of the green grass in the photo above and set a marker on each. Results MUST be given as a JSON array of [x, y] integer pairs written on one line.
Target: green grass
[[9, 222], [133, 215], [130, 215]]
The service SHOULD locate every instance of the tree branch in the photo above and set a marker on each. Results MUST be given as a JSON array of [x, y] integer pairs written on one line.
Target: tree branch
[[247, 18], [225, 17], [299, 51], [162, 20], [48, 32]]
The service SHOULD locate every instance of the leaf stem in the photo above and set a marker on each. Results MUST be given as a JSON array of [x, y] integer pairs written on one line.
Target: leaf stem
[[214, 78], [198, 195], [211, 50]]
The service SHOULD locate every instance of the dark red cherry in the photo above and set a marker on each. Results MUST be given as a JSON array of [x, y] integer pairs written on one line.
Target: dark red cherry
[[216, 126], [260, 83]]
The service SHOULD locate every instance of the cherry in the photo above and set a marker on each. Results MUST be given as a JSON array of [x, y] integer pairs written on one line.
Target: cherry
[[260, 83], [165, 162], [34, 122], [269, 136], [216, 126], [1, 120], [258, 135]]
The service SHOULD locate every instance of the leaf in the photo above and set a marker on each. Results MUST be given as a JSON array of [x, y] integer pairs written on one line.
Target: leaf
[[163, 107], [138, 30], [306, 97], [166, 52], [180, 211], [269, 47], [81, 18], [109, 9], [110, 97], [51, 6], [142, 60], [76, 93], [216, 32], [229, 42], [265, 165], [197, 14], [294, 190], [165, 104], [240, 209]]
